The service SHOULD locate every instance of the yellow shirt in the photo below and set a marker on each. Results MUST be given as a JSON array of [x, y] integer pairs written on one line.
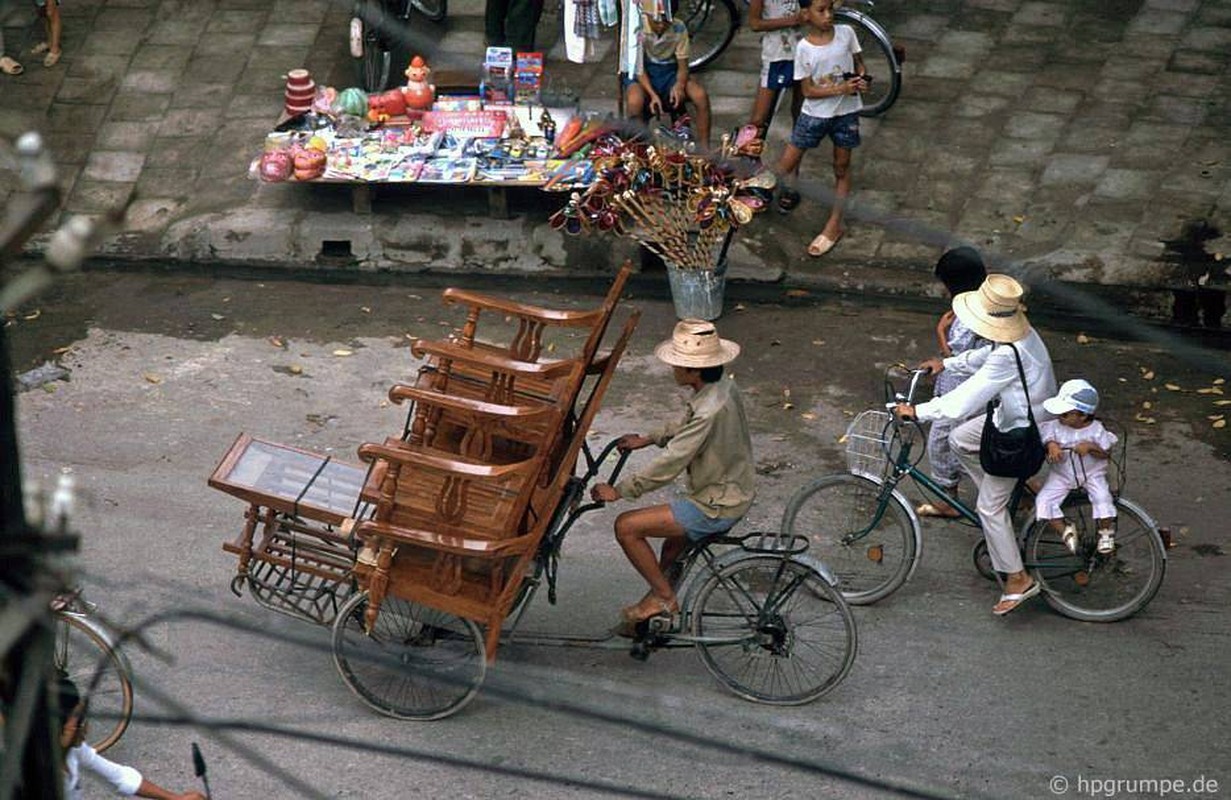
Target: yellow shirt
[[711, 441]]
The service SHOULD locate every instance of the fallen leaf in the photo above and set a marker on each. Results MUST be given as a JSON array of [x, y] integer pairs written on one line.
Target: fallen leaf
[[808, 415], [778, 438], [775, 343], [152, 378], [1019, 218], [551, 347], [1148, 374], [61, 350], [217, 317], [788, 406], [295, 369], [226, 299], [1222, 402], [365, 309], [842, 439], [1210, 390], [1145, 419], [1222, 423], [797, 293], [49, 388], [1083, 339], [341, 353], [1171, 387], [739, 306], [414, 297], [277, 341], [818, 342], [35, 314], [1147, 405]]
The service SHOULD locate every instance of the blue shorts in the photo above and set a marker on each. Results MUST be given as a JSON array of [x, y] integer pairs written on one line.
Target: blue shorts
[[809, 131], [777, 74], [696, 524], [662, 78]]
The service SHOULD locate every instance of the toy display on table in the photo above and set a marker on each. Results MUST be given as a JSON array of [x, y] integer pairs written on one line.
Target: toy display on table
[[678, 204]]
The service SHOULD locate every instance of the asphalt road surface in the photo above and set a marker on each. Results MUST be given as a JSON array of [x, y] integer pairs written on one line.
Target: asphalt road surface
[[943, 697]]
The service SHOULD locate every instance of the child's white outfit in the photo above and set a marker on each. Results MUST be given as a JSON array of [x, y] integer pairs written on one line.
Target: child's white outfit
[[1075, 471], [825, 64], [125, 780], [778, 47]]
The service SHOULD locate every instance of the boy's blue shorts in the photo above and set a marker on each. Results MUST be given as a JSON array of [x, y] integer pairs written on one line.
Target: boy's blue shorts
[[662, 78], [696, 524], [777, 74], [843, 129]]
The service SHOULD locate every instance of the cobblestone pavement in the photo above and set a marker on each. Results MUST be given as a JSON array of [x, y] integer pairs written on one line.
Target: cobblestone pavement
[[1085, 141]]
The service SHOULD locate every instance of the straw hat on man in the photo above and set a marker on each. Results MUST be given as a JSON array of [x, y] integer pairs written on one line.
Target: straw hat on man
[[710, 442]]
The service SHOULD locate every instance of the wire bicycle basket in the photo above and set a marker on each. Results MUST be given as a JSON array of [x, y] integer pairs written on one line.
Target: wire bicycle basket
[[867, 444]]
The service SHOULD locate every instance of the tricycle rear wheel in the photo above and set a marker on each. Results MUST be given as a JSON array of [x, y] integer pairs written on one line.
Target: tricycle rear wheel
[[417, 663]]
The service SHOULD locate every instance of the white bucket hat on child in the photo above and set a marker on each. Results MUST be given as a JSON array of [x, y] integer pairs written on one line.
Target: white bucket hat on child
[[1074, 395], [695, 343]]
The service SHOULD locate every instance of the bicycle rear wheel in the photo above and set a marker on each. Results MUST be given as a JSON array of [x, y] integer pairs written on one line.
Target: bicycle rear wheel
[[418, 663], [879, 61], [711, 27], [434, 10], [83, 653], [867, 543], [1090, 586], [774, 631]]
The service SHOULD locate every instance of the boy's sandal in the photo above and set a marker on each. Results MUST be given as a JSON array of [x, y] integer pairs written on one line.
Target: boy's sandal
[[10, 66], [52, 58], [41, 47], [788, 200], [821, 245]]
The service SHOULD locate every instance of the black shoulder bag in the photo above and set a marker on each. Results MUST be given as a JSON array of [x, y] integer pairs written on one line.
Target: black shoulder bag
[[1018, 453]]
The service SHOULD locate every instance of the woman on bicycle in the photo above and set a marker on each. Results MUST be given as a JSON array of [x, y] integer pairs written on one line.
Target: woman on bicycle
[[995, 312], [711, 442]]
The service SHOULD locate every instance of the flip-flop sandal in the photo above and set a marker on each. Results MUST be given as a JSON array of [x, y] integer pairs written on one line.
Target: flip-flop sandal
[[788, 200], [41, 47], [1016, 598], [10, 67], [52, 58], [932, 510], [821, 245]]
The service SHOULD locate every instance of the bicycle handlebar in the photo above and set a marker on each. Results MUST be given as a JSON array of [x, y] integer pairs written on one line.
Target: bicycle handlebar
[[909, 398]]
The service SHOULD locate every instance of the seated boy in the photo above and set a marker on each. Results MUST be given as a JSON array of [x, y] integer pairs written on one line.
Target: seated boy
[[665, 51]]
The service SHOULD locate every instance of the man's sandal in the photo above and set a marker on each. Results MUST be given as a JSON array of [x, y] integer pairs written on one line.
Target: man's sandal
[[1014, 599], [9, 66]]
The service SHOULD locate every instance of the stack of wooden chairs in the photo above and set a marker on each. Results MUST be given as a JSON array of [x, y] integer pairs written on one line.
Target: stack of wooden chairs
[[451, 512]]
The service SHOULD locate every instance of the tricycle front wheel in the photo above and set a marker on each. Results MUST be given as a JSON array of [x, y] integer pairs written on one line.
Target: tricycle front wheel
[[417, 663]]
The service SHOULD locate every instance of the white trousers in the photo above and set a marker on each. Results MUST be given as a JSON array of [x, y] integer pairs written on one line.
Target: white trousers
[[993, 500], [1057, 487]]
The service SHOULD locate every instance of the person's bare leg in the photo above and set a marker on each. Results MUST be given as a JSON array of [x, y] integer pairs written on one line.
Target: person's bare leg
[[633, 529], [762, 107], [700, 100], [53, 27], [842, 188]]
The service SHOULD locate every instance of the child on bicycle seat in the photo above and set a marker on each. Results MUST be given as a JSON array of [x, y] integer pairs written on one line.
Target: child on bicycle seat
[[711, 443], [664, 82], [1076, 430], [79, 756]]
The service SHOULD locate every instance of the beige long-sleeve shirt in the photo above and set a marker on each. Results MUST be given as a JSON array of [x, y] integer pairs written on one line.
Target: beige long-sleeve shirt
[[711, 441]]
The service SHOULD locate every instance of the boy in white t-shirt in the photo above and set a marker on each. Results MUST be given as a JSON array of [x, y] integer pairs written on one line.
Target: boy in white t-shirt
[[830, 70], [778, 22], [1076, 430]]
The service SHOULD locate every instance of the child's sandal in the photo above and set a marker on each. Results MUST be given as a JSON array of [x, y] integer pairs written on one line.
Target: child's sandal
[[52, 58], [788, 200]]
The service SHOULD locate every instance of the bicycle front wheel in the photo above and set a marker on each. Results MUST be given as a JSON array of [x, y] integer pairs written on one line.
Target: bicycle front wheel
[[83, 653], [711, 27], [418, 663], [774, 631], [860, 530], [1091, 586], [879, 61]]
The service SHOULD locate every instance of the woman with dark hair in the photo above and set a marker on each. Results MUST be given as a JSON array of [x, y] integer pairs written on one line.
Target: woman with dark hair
[[960, 270], [79, 756]]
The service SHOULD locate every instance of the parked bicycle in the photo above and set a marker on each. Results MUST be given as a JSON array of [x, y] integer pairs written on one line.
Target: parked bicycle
[[867, 533], [86, 653], [712, 25], [376, 39]]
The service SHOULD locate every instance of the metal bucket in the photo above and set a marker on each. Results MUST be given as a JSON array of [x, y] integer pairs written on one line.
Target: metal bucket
[[697, 293]]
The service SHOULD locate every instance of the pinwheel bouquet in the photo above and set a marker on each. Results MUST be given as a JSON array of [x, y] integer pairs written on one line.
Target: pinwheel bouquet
[[683, 206]]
